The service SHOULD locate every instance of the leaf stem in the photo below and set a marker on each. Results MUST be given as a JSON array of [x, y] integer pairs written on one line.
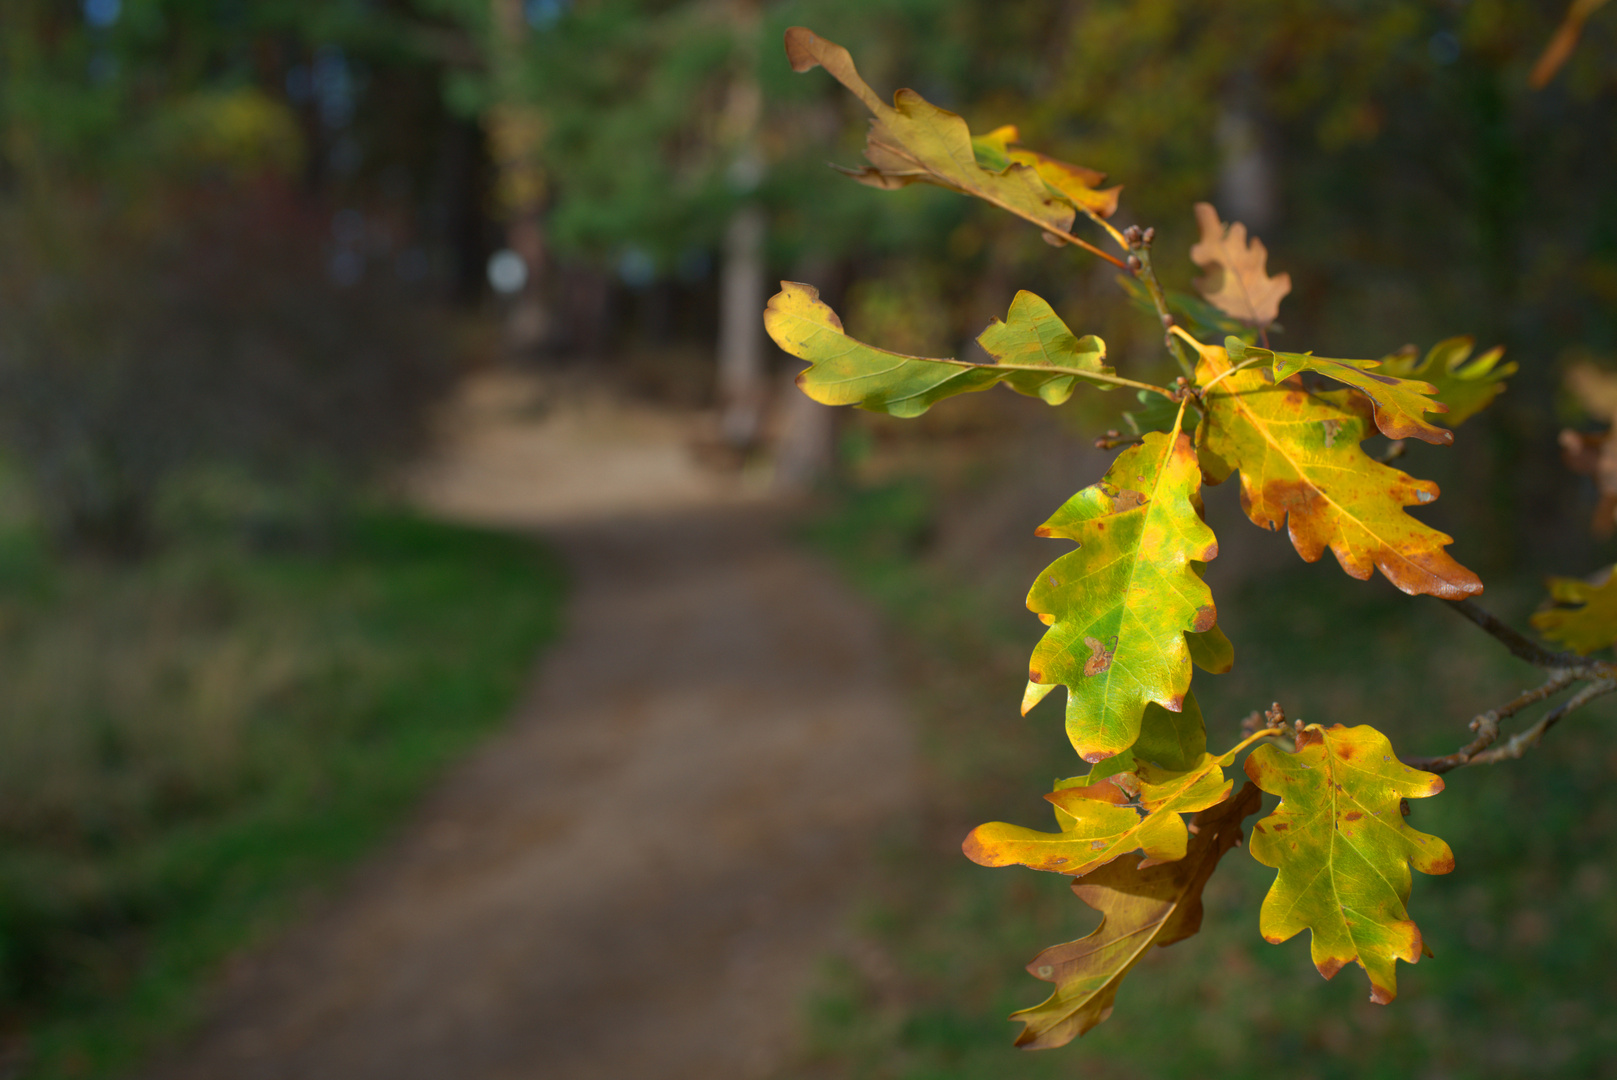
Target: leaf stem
[[1139, 245], [1227, 372]]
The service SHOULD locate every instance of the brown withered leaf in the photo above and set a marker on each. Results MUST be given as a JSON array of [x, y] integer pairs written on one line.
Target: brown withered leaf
[[1159, 905], [1237, 281], [1594, 454]]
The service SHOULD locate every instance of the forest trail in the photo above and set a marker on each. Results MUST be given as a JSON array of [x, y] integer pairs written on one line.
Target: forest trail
[[638, 876]]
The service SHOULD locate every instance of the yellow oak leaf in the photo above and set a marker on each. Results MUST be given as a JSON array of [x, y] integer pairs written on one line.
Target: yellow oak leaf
[[1141, 907], [1301, 466], [1585, 616]]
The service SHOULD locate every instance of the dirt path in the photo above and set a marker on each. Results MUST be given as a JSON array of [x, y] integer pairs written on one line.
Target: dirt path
[[637, 878]]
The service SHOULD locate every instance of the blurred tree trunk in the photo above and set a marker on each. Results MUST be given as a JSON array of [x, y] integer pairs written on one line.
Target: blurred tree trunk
[[1246, 174], [516, 131], [743, 389], [741, 328]]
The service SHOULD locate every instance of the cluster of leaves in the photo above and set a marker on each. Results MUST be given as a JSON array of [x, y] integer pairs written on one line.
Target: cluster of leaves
[[1128, 613]]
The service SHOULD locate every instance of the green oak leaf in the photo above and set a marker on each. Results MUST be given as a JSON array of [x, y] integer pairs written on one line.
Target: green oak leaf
[[1464, 383], [1034, 351], [1343, 851], [1119, 606]]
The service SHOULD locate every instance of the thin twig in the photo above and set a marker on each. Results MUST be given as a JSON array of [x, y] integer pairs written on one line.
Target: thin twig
[[1139, 245], [1519, 646], [1520, 743], [1486, 725]]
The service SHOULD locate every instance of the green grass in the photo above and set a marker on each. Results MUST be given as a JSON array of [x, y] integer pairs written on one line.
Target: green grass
[[1524, 930], [190, 746]]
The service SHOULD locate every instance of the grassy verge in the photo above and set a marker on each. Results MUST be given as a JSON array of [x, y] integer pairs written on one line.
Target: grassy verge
[[189, 746], [1523, 930]]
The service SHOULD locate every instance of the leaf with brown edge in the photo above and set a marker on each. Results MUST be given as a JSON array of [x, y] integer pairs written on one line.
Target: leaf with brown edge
[[1301, 465], [1400, 403], [1464, 383], [1584, 617], [1140, 907], [1075, 183], [1119, 606], [1098, 825], [1343, 851], [913, 141], [1237, 280], [1041, 357]]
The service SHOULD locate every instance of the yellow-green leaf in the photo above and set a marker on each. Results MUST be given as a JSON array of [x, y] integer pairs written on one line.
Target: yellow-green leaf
[[913, 141], [1464, 383], [1585, 616], [1098, 825], [1301, 466], [1237, 280], [1140, 907], [1118, 607], [1400, 403], [1343, 851], [1042, 357], [1076, 184]]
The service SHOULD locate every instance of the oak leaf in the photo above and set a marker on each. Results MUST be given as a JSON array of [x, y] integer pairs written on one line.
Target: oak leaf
[[1099, 821], [1035, 354], [1585, 616], [1237, 281], [1343, 851], [913, 141], [1075, 183], [1301, 465], [1464, 383], [1399, 403], [1140, 907], [1119, 606]]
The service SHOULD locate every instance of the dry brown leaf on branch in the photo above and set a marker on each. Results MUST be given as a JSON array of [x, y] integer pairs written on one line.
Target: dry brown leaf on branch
[[1237, 280]]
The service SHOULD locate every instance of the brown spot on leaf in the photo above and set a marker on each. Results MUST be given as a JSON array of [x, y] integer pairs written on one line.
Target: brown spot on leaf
[[1281, 826], [1206, 616], [1043, 530], [1100, 526], [1352, 815], [1329, 966], [1035, 675], [1100, 655]]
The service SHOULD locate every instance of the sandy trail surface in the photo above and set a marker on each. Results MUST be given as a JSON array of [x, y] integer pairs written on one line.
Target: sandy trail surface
[[638, 876]]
